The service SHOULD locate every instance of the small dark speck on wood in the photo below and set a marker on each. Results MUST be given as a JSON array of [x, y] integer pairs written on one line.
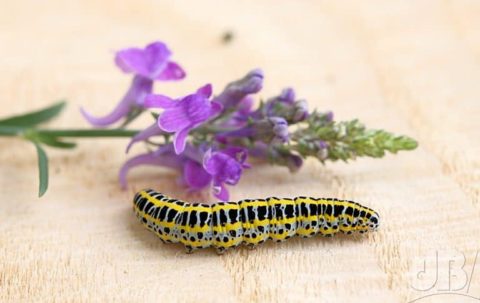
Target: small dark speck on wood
[[227, 37]]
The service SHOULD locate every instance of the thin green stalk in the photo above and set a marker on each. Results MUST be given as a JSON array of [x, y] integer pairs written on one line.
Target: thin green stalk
[[84, 133]]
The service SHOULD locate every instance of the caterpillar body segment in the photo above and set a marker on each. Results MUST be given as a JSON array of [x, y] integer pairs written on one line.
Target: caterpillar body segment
[[225, 225]]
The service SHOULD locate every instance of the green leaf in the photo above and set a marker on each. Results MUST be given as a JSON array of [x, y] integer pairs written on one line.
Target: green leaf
[[53, 141], [33, 118], [408, 143], [10, 130], [42, 170]]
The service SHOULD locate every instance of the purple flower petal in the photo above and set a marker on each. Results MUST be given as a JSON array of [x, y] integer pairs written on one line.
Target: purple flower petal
[[148, 62], [167, 160], [158, 101], [245, 106], [197, 108], [151, 62], [156, 55], [242, 114], [223, 167], [211, 168], [165, 150], [238, 153], [152, 130], [120, 111], [195, 176], [139, 88], [216, 109], [195, 153], [287, 95], [221, 192], [180, 140], [131, 60], [172, 71], [205, 91], [173, 120], [187, 113]]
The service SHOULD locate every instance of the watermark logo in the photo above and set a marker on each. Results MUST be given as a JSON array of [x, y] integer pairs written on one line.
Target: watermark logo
[[444, 273]]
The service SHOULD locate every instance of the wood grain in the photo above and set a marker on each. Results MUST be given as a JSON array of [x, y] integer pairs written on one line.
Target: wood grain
[[411, 67]]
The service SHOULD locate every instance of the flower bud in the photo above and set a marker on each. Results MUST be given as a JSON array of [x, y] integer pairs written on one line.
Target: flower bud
[[280, 129], [300, 112], [322, 149], [285, 106], [235, 91], [294, 162]]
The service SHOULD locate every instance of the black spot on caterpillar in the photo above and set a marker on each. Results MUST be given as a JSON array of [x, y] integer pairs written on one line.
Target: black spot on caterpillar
[[251, 222]]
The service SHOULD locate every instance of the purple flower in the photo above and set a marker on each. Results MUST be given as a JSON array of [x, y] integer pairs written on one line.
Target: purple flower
[[200, 168], [148, 64], [195, 176], [280, 129], [217, 169], [287, 96], [278, 156], [164, 156], [152, 130], [293, 162], [329, 116], [285, 158], [268, 130], [285, 106], [245, 106], [152, 62], [185, 114], [225, 167], [139, 89], [237, 90], [300, 112], [241, 115]]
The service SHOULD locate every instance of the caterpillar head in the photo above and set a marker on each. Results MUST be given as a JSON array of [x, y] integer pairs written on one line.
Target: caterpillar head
[[370, 222], [373, 222]]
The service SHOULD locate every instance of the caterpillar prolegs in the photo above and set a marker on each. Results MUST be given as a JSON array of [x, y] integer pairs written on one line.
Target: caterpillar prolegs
[[250, 222]]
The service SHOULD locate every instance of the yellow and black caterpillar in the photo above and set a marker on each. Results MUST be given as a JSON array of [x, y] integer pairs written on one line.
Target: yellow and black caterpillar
[[228, 224]]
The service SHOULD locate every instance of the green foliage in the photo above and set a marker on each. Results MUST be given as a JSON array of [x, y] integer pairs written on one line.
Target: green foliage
[[346, 140], [25, 126], [36, 117], [42, 170]]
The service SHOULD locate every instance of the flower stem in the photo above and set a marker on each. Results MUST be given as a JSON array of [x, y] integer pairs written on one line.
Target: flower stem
[[83, 133], [12, 131]]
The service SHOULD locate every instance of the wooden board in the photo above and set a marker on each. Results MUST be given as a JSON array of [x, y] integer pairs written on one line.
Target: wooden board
[[411, 67]]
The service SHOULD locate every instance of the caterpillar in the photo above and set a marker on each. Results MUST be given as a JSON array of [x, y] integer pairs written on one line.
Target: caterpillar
[[250, 222]]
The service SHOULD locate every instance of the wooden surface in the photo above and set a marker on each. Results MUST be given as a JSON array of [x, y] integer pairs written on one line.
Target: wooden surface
[[412, 67]]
